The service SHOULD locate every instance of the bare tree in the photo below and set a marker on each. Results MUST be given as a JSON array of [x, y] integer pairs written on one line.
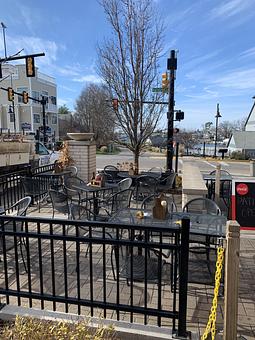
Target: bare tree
[[93, 114], [128, 63], [226, 128], [186, 139], [65, 121]]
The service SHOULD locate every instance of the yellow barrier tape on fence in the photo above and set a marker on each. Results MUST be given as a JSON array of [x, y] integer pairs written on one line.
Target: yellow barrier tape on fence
[[211, 324]]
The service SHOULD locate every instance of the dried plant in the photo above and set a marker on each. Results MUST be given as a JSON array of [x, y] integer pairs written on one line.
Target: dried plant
[[65, 159], [25, 328]]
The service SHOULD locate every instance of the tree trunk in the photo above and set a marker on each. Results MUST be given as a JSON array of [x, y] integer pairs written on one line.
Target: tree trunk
[[136, 162]]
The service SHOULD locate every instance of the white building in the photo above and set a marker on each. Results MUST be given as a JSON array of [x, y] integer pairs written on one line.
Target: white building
[[244, 141], [28, 116]]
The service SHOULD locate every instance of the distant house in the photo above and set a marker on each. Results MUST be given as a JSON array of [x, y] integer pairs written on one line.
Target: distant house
[[244, 141], [158, 140]]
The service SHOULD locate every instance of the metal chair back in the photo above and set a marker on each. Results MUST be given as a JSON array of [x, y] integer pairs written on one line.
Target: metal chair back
[[59, 202], [125, 184]]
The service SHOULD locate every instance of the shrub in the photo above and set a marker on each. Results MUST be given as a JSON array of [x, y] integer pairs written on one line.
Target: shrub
[[104, 148], [34, 329], [238, 155]]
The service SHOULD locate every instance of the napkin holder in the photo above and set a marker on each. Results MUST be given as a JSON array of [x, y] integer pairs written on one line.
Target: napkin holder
[[159, 211]]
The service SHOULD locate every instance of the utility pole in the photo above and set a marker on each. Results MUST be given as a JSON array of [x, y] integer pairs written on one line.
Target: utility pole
[[217, 116], [4, 27], [43, 102], [172, 66]]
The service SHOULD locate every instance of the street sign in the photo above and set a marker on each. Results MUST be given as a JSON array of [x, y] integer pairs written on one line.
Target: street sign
[[25, 126], [159, 89]]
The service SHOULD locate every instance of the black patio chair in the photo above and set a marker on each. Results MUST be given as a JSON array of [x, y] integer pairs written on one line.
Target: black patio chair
[[157, 171], [202, 206], [111, 174], [145, 186], [60, 202], [225, 190], [71, 188], [82, 213], [115, 202], [9, 242], [36, 188], [166, 184], [124, 184], [73, 170]]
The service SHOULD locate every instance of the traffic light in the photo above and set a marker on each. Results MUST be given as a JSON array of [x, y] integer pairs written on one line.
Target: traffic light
[[179, 115], [30, 66], [25, 97], [165, 81], [115, 104], [10, 94]]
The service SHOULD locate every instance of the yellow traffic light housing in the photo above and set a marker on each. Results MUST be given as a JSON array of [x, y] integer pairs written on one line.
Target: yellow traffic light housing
[[30, 66], [10, 94], [115, 104], [165, 82], [25, 97]]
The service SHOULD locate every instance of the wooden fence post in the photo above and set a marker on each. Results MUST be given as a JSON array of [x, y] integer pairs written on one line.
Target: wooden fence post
[[231, 280]]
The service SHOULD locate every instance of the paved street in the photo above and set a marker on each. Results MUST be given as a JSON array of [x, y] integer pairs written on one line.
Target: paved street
[[149, 160]]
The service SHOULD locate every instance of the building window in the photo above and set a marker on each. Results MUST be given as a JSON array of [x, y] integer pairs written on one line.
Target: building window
[[54, 119], [36, 95], [45, 94], [20, 90], [37, 118], [53, 100]]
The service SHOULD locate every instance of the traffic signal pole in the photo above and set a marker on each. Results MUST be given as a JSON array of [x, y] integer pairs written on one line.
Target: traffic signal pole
[[172, 66], [43, 102]]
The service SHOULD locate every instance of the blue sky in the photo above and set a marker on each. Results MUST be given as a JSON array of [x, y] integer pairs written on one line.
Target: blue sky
[[214, 39]]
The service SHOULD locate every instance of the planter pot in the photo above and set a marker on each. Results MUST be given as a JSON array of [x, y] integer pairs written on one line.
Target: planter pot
[[80, 136]]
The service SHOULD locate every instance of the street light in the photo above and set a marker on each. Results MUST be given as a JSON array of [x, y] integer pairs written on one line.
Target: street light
[[12, 115], [217, 116]]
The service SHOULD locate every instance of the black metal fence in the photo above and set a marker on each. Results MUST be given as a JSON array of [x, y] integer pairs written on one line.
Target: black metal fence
[[11, 189], [123, 272]]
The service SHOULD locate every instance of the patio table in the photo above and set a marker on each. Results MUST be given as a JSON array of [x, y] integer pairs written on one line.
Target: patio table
[[201, 224], [212, 227], [95, 191], [55, 178]]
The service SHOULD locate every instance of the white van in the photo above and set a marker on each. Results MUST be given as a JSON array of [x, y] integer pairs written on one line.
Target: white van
[[47, 156]]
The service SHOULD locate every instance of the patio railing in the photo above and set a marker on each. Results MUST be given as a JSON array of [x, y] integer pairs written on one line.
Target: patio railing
[[116, 271], [11, 189]]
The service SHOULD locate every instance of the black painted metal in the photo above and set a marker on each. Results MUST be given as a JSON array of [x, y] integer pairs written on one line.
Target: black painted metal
[[53, 238], [11, 189], [183, 277]]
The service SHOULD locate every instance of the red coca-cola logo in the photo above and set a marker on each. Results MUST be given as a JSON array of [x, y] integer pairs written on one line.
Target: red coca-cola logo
[[242, 189]]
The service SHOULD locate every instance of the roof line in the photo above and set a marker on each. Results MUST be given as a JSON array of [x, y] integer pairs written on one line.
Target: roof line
[[249, 115]]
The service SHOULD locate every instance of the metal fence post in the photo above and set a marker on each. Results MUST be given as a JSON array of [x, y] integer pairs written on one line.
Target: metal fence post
[[183, 277]]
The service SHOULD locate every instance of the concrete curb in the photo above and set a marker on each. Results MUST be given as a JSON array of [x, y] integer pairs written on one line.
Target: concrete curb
[[124, 330]]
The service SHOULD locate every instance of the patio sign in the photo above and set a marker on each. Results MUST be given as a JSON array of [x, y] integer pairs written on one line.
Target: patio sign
[[243, 202]]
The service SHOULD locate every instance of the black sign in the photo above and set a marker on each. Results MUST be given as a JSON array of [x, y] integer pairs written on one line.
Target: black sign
[[243, 203]]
